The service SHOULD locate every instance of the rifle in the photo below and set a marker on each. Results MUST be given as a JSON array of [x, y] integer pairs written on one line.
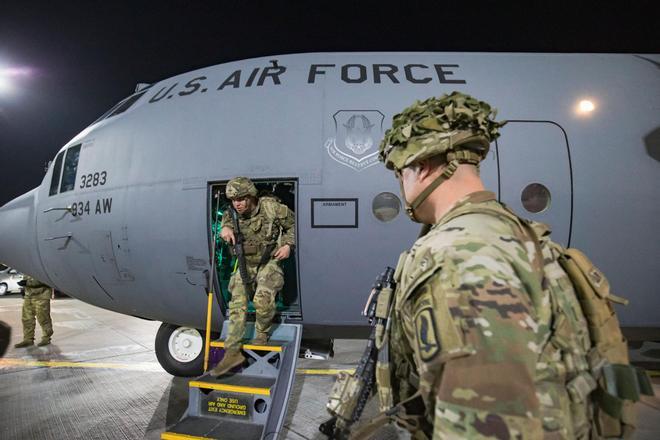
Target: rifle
[[240, 253], [351, 392]]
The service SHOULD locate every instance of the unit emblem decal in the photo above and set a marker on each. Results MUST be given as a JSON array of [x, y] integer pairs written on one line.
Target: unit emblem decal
[[357, 134]]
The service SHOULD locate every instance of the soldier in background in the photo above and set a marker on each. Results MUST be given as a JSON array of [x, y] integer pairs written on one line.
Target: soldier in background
[[36, 302], [471, 333], [268, 228]]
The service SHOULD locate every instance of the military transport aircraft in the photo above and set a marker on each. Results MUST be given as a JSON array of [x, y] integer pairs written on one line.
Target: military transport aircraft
[[126, 215]]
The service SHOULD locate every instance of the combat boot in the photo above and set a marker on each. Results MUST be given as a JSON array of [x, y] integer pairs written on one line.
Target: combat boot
[[232, 359], [44, 342], [24, 343], [261, 339]]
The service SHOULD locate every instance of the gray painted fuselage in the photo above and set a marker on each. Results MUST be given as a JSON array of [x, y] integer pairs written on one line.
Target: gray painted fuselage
[[143, 253]]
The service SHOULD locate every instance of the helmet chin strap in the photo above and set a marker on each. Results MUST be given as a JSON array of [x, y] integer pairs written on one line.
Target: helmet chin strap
[[446, 174]]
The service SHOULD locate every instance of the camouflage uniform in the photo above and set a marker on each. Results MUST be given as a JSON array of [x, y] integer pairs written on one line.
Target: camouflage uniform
[[36, 303], [269, 224], [485, 326]]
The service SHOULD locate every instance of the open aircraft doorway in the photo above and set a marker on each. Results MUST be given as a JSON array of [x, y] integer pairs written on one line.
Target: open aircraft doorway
[[288, 300]]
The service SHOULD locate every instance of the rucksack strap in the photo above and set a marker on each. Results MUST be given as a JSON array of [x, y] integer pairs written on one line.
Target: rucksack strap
[[522, 232]]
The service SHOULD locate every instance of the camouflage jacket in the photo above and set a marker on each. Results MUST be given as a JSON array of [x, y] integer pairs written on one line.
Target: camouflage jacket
[[271, 222], [476, 329], [34, 288]]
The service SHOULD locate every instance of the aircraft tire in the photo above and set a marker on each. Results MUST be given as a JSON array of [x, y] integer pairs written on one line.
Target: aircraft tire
[[167, 333]]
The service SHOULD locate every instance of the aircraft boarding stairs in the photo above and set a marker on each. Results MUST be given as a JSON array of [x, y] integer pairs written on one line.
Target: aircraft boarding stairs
[[251, 401]]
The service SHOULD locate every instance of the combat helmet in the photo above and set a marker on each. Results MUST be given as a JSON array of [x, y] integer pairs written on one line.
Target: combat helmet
[[457, 127], [240, 187]]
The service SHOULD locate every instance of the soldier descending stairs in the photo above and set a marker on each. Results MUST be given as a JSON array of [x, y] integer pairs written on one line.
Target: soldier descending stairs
[[245, 395]]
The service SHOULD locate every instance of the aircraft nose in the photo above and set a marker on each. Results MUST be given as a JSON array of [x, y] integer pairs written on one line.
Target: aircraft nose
[[18, 237]]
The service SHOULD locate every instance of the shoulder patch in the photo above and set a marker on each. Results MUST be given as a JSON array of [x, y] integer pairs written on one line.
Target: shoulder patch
[[428, 341]]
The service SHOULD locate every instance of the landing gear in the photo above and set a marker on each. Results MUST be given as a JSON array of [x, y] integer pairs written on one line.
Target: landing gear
[[180, 350]]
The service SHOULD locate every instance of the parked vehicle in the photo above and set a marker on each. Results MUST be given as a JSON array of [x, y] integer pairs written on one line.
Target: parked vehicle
[[9, 279]]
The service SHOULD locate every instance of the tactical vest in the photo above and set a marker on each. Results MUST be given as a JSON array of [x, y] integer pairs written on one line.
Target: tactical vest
[[261, 230], [585, 383]]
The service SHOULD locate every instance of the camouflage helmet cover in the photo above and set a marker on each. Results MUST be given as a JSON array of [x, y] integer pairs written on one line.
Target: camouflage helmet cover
[[240, 187], [456, 125]]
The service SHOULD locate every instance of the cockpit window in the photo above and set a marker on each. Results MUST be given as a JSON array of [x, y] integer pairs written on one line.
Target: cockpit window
[[70, 169], [122, 106], [57, 172], [125, 105]]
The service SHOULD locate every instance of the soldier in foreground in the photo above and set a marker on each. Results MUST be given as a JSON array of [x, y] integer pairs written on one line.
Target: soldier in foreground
[[485, 336], [268, 227], [36, 302]]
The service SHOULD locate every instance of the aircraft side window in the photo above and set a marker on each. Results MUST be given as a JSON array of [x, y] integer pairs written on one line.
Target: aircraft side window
[[57, 172], [536, 198], [70, 169], [386, 206]]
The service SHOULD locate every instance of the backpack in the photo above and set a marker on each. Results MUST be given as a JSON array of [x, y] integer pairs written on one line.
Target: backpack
[[618, 385]]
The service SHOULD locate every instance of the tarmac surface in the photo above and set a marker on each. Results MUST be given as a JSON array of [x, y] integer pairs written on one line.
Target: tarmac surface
[[100, 379]]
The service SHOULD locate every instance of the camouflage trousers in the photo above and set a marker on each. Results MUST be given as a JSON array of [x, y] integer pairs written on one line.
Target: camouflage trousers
[[39, 306], [269, 281]]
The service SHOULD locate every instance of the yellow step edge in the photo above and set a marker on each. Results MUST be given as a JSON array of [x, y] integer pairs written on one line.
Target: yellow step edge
[[230, 388], [250, 346], [175, 436]]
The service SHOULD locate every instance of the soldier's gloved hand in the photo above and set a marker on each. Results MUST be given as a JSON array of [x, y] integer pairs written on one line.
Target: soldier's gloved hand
[[227, 234], [22, 283], [283, 252]]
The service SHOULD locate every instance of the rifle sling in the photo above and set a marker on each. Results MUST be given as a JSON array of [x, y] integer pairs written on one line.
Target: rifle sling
[[240, 254], [399, 414], [266, 256]]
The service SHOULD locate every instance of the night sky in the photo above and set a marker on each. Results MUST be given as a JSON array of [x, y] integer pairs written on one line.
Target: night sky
[[68, 62]]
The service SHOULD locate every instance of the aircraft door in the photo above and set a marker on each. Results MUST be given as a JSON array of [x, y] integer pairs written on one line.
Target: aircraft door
[[535, 175], [288, 301]]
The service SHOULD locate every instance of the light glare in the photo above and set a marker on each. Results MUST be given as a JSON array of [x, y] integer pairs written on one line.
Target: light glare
[[5, 84], [15, 71], [10, 77], [586, 106]]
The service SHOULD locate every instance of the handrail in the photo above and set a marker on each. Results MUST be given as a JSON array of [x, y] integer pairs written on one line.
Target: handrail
[[68, 209], [207, 343], [67, 236]]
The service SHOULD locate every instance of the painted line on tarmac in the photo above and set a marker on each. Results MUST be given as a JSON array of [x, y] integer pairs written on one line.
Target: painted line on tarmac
[[154, 367], [318, 372], [136, 366]]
